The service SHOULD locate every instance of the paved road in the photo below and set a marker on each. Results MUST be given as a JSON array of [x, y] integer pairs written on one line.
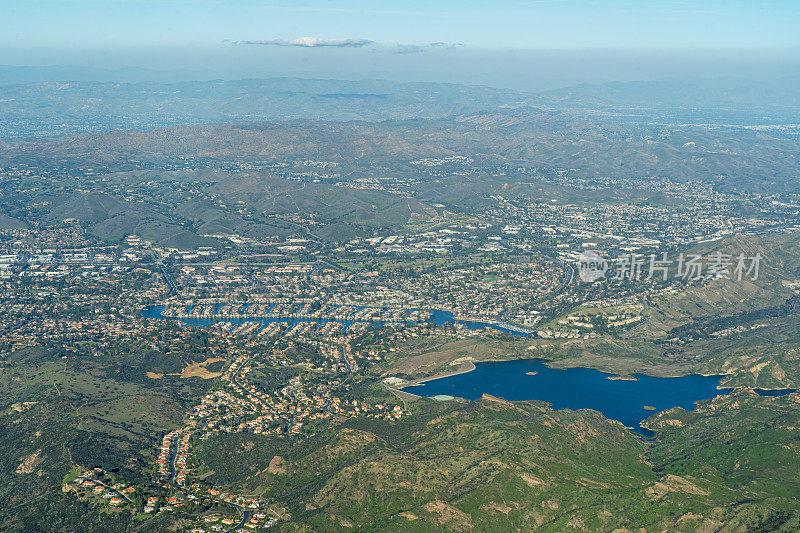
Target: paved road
[[245, 518], [173, 459], [398, 396], [115, 491], [172, 288], [344, 359], [245, 512], [235, 375]]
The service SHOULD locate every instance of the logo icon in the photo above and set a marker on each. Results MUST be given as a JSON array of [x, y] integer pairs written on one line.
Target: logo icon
[[591, 267]]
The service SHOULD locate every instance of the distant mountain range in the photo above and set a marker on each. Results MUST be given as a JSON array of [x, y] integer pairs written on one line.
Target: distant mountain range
[[730, 101], [70, 107], [145, 132], [36, 101], [524, 136]]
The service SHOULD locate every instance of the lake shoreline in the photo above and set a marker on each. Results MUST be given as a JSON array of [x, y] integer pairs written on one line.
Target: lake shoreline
[[563, 364], [551, 363], [465, 368], [629, 401]]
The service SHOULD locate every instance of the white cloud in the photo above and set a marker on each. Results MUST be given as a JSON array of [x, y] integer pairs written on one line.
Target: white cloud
[[311, 42]]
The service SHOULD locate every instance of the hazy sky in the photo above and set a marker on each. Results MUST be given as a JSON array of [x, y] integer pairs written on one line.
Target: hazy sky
[[557, 24], [549, 42]]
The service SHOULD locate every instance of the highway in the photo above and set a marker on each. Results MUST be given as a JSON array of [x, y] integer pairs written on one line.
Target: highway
[[172, 288]]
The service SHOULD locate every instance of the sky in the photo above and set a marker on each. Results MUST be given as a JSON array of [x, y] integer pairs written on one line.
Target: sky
[[559, 24], [467, 40]]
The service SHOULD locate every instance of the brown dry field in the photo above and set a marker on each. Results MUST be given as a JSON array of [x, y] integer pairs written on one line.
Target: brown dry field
[[199, 369]]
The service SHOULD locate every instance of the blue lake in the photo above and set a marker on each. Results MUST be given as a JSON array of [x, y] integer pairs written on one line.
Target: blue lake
[[576, 388], [572, 388]]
